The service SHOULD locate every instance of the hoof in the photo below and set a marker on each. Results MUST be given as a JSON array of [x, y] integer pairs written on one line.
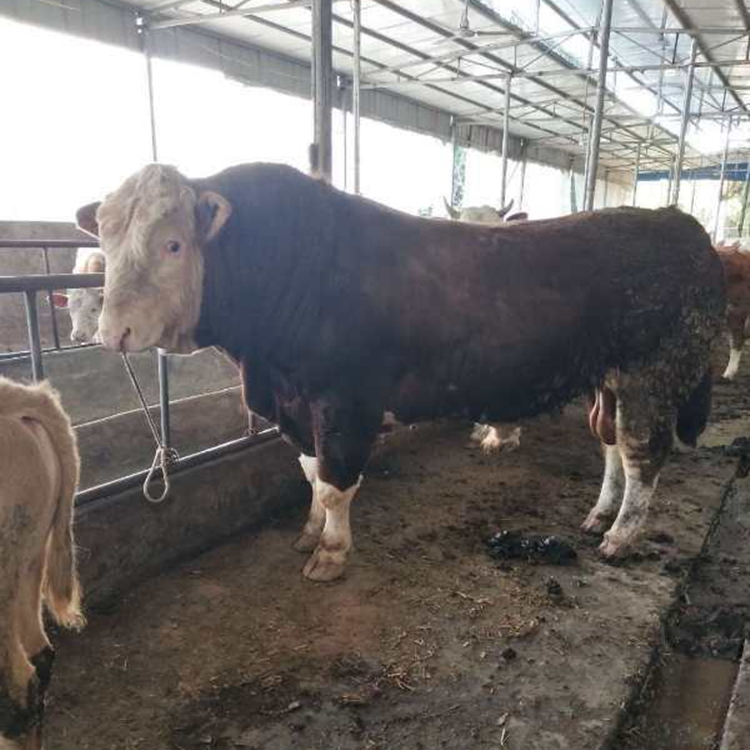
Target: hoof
[[325, 565], [613, 548], [306, 542], [596, 523]]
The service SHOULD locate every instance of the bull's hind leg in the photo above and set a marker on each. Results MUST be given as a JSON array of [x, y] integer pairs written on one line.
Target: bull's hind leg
[[610, 496], [644, 438], [308, 539], [736, 324]]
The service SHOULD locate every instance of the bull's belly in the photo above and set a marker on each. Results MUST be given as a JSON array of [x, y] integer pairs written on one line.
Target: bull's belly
[[496, 398]]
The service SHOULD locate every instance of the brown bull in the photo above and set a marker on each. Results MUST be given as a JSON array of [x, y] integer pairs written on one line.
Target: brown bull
[[737, 271], [337, 309]]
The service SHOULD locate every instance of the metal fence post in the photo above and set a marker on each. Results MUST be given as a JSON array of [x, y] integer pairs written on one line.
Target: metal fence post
[[162, 361], [35, 343], [50, 299]]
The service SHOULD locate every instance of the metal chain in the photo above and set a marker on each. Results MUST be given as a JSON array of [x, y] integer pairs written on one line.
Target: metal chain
[[164, 455]]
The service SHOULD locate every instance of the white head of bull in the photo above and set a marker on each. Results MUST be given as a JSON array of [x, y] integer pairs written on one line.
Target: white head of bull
[[153, 229]]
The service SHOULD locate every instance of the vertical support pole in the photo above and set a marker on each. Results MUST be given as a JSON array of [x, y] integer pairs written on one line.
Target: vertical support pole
[[504, 160], [572, 187], [721, 181], [522, 185], [669, 180], [596, 123], [356, 89], [50, 300], [636, 172], [686, 104], [745, 196], [458, 170], [35, 343], [321, 89], [161, 358], [692, 193], [606, 188], [346, 145]]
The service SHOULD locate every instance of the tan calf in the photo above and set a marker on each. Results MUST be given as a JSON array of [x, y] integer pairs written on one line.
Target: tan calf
[[38, 478]]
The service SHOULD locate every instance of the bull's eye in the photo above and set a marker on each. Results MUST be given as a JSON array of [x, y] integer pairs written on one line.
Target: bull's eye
[[173, 247]]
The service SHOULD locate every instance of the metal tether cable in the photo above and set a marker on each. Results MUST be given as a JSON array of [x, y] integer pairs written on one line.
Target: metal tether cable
[[164, 455]]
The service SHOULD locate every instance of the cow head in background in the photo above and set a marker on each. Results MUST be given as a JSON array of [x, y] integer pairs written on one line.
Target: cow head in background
[[153, 230], [83, 305], [484, 214]]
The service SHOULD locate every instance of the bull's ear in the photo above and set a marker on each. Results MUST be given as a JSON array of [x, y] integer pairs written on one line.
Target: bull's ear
[[59, 299], [211, 213], [86, 219]]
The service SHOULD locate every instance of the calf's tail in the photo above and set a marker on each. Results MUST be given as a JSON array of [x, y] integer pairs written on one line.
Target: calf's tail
[[61, 589], [693, 414]]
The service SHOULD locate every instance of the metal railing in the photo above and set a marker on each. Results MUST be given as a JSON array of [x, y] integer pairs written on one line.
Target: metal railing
[[30, 286]]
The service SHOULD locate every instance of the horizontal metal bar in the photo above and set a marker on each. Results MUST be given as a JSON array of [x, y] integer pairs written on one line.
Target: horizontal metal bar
[[182, 464], [24, 354], [245, 11], [51, 244], [696, 31], [39, 282], [467, 78], [168, 5]]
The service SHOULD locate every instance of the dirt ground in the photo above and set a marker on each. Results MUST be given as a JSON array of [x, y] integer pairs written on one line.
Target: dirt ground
[[428, 642]]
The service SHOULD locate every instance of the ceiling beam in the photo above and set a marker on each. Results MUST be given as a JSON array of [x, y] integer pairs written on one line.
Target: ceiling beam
[[744, 13], [684, 19]]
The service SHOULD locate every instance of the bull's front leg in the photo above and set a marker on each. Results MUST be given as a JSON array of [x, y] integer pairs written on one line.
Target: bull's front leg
[[344, 432], [310, 536]]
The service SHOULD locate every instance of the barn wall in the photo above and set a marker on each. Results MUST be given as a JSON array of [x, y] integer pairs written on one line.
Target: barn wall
[[124, 539]]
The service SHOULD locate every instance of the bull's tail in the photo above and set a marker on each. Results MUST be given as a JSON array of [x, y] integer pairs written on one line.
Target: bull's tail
[[693, 414], [61, 589]]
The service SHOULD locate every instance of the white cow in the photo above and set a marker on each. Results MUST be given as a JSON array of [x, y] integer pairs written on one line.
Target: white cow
[[84, 305], [491, 437], [484, 214], [38, 478]]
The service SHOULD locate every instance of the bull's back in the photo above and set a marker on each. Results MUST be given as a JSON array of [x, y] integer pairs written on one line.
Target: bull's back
[[537, 313]]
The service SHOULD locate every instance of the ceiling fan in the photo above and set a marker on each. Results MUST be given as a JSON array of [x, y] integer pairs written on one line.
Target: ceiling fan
[[465, 30]]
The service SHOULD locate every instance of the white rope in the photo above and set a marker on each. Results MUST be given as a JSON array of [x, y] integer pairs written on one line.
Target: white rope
[[164, 455]]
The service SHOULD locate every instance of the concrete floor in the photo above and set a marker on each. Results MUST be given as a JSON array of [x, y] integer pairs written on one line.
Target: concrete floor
[[427, 642]]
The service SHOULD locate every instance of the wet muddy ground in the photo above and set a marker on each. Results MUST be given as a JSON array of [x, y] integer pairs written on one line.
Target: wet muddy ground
[[428, 642]]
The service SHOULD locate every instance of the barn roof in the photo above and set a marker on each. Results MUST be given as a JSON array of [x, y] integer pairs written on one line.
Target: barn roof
[[435, 64]]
